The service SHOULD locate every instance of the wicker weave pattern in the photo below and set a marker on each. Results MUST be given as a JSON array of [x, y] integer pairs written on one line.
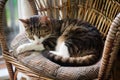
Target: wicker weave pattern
[[98, 12], [2, 38], [33, 6]]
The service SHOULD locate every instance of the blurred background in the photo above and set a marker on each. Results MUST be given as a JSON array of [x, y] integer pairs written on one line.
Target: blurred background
[[11, 21]]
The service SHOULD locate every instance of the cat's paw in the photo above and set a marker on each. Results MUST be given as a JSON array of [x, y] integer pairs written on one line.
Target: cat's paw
[[56, 53], [21, 49], [59, 54], [53, 52]]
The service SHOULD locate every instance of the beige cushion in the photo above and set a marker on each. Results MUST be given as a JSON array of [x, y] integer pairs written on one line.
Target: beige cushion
[[42, 65]]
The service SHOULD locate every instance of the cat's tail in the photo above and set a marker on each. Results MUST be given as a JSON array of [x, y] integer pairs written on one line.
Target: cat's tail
[[73, 61]]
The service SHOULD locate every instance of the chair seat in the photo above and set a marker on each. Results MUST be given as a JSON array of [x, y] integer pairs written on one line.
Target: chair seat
[[37, 62]]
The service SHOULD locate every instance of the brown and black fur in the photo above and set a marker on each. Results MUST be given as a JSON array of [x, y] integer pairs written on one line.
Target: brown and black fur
[[83, 40]]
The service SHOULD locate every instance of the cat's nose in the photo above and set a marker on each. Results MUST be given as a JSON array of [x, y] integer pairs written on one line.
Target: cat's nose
[[43, 25]]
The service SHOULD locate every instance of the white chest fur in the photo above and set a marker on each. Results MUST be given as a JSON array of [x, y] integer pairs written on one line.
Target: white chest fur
[[61, 50]]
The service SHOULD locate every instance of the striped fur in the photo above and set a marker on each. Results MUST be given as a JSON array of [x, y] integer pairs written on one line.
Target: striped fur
[[84, 41]]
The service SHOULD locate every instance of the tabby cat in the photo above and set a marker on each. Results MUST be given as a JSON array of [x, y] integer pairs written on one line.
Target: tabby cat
[[65, 38]]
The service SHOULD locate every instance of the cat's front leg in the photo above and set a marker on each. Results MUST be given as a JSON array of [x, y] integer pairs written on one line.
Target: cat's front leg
[[33, 45], [30, 46], [23, 48]]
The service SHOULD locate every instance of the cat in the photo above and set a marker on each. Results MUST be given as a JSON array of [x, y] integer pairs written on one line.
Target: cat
[[65, 38]]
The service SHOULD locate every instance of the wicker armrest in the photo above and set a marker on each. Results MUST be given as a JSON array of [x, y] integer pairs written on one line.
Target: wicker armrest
[[111, 49]]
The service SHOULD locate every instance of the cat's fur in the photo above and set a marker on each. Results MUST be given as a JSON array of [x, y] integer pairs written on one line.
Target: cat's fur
[[66, 38]]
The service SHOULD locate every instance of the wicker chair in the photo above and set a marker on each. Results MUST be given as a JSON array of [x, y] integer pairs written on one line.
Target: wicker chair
[[101, 13]]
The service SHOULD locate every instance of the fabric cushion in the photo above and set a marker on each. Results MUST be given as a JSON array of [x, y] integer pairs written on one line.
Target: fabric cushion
[[37, 62]]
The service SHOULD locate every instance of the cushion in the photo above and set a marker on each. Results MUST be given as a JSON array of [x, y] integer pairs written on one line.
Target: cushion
[[37, 62]]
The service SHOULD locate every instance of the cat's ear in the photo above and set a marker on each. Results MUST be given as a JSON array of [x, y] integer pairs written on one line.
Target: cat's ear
[[44, 19], [24, 21]]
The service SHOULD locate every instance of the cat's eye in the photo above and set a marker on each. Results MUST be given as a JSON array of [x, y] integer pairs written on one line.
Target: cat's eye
[[25, 26], [46, 31], [43, 27], [47, 24]]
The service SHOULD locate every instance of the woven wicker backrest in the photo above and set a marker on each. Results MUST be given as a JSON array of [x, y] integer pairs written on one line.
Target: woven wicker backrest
[[99, 13]]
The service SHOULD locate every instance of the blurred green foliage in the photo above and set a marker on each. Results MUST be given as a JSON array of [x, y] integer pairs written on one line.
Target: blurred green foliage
[[11, 9]]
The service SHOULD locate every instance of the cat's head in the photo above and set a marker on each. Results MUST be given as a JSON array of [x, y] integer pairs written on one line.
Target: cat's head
[[36, 25]]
